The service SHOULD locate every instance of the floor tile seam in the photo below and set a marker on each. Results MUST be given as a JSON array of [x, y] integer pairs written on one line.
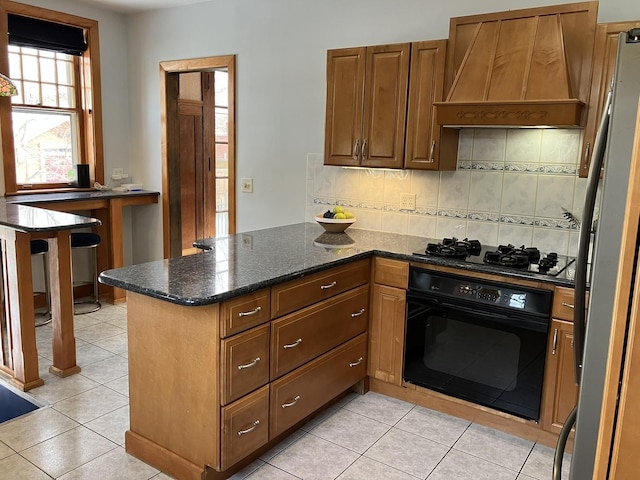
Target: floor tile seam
[[333, 443], [93, 340], [372, 418], [438, 463], [427, 438], [517, 472], [100, 435], [108, 413], [276, 467], [525, 461], [77, 424], [36, 466], [115, 445], [93, 460], [360, 414], [97, 361], [82, 393]]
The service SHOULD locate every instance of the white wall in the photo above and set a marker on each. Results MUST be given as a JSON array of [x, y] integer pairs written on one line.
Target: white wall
[[281, 50]]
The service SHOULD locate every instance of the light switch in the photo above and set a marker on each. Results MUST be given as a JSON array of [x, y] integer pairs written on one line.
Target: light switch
[[247, 185]]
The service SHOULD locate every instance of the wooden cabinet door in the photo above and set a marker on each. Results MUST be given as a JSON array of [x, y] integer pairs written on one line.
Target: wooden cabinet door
[[428, 146], [386, 340], [385, 106], [604, 59], [561, 391], [245, 426], [343, 123]]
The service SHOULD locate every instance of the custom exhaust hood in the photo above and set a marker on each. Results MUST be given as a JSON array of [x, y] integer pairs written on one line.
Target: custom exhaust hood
[[520, 68]]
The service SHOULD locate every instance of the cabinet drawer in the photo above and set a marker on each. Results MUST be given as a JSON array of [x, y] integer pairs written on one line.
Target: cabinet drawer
[[563, 303], [244, 363], [391, 272], [303, 391], [304, 335], [290, 296], [245, 426], [242, 313]]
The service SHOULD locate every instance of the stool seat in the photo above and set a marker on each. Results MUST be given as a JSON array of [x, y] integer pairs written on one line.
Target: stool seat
[[39, 246], [84, 240], [87, 240]]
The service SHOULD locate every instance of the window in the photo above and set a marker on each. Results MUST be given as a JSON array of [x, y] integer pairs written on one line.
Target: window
[[221, 141], [54, 122], [46, 122]]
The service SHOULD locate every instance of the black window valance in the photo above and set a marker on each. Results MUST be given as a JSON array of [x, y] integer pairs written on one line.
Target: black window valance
[[46, 35]]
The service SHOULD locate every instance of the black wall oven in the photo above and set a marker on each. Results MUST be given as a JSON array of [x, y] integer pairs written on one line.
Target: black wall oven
[[477, 340]]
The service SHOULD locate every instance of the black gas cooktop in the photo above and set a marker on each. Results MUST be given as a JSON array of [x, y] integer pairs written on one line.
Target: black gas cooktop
[[508, 256]]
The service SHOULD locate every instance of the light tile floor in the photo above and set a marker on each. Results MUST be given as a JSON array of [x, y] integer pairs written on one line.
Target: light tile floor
[[79, 434]]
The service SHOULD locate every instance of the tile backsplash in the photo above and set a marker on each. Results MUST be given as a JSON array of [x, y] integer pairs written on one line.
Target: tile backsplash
[[511, 186]]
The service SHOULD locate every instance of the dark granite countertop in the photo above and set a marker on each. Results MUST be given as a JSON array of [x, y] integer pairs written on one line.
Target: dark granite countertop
[[245, 262], [73, 196], [32, 220]]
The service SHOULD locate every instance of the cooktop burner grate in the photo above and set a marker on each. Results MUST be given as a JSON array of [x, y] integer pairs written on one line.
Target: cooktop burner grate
[[510, 256], [454, 248]]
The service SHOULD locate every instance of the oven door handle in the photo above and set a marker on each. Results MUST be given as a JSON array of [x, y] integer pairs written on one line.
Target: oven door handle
[[474, 311], [530, 323]]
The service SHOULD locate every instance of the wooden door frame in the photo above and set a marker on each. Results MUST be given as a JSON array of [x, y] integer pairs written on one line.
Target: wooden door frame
[[170, 133]]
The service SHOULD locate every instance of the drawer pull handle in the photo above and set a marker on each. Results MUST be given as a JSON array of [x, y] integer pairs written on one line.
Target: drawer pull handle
[[356, 363], [331, 285], [292, 345], [250, 364], [292, 402], [565, 304], [252, 312], [250, 429], [357, 314]]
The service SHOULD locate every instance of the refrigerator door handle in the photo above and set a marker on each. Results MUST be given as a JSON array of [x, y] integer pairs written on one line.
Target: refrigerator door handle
[[562, 443], [582, 260]]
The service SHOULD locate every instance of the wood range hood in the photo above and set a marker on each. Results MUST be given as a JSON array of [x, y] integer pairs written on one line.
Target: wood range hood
[[521, 68]]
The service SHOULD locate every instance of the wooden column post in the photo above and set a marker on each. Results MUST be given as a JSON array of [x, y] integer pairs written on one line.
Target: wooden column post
[[61, 288], [19, 297]]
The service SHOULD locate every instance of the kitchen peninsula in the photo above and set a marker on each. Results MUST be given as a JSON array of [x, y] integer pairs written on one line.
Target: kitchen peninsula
[[232, 348]]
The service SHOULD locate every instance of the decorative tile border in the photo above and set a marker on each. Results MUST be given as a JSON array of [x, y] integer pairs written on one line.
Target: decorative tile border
[[554, 169], [489, 217]]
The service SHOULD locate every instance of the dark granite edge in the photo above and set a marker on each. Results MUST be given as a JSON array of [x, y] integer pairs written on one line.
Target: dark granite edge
[[236, 292], [252, 287]]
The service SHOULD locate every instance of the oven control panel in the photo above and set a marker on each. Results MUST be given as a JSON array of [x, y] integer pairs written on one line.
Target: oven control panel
[[508, 296]]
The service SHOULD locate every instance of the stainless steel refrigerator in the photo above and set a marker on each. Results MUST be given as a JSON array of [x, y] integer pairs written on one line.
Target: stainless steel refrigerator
[[597, 263]]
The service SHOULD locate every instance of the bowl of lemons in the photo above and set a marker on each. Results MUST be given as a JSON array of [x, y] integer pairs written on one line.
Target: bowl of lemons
[[336, 220]]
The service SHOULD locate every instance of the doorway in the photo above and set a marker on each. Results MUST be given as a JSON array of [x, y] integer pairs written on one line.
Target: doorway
[[198, 150]]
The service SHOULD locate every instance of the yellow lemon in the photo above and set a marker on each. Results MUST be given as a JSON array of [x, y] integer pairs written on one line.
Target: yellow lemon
[[338, 209], [340, 216]]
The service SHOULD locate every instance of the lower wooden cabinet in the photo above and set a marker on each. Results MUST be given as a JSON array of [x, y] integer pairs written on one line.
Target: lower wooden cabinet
[[386, 345], [386, 330], [301, 392], [244, 363], [560, 389], [245, 426]]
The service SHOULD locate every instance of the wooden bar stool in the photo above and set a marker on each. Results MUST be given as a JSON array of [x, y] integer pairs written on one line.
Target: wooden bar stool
[[41, 247], [90, 241]]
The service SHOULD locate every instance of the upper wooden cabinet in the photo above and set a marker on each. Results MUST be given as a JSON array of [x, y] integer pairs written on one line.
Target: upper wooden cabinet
[[604, 58], [366, 106], [428, 146]]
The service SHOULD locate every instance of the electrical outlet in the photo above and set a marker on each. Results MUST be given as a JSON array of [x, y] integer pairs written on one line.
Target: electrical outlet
[[408, 201], [247, 185], [118, 174]]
